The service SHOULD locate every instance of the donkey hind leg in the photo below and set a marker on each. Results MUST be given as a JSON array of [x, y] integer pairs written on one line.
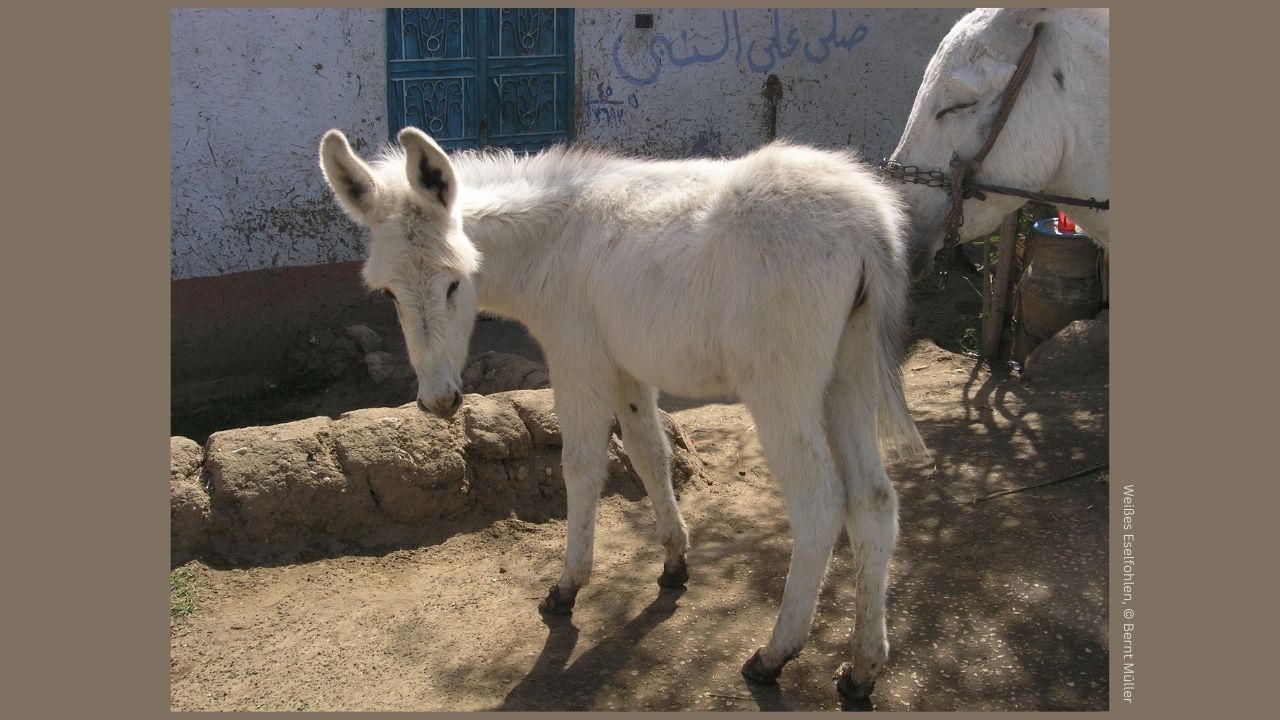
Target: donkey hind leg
[[646, 444], [871, 508], [797, 452], [584, 412]]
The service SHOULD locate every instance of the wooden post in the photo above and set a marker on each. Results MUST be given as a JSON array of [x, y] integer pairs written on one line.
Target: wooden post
[[987, 247], [993, 323]]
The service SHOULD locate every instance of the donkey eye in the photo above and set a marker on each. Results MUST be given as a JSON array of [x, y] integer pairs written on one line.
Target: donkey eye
[[954, 108], [452, 286], [389, 294]]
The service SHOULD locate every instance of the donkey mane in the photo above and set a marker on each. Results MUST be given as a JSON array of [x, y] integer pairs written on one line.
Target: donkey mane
[[564, 165], [484, 169]]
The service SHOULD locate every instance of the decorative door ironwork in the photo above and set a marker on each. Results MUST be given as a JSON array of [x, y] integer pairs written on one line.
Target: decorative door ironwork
[[482, 76]]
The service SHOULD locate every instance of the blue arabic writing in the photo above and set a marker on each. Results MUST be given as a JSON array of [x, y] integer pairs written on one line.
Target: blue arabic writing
[[762, 56], [604, 110]]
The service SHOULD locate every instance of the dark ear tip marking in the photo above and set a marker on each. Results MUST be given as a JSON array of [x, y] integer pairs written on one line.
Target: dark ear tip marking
[[432, 178]]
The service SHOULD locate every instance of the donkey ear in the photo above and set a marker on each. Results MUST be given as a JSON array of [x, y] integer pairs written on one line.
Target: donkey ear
[[430, 172], [969, 82], [985, 75], [349, 177]]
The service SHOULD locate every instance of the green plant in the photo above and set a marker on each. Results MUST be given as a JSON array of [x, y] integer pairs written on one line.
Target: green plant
[[1026, 218], [969, 341], [182, 592]]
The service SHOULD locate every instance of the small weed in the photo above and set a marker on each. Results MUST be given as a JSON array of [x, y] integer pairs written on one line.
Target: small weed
[[182, 593], [969, 341]]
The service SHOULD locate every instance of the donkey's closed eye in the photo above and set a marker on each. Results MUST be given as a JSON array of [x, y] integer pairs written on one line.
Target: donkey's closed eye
[[452, 287], [954, 108]]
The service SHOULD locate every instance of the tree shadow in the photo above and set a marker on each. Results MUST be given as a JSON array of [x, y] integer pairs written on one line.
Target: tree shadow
[[1001, 603]]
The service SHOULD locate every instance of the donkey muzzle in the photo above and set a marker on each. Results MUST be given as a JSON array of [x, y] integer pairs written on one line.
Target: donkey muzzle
[[443, 407]]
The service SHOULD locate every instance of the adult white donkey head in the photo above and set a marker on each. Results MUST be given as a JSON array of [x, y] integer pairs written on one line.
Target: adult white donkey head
[[418, 253], [1055, 138]]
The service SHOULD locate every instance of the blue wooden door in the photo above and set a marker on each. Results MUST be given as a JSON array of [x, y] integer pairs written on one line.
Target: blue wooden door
[[483, 76], [432, 73]]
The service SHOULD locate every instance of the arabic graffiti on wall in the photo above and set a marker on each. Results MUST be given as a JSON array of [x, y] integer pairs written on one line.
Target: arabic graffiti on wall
[[761, 55], [604, 110]]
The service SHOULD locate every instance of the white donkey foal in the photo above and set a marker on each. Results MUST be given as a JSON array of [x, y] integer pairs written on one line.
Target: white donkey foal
[[779, 277]]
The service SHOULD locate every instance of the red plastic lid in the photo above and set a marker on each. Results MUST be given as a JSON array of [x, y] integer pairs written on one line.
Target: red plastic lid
[[1064, 223]]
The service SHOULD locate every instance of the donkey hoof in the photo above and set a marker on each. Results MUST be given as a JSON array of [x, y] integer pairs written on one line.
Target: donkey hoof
[[557, 601], [850, 690], [755, 671], [675, 577]]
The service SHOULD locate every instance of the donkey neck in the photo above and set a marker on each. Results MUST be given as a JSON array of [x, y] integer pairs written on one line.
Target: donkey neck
[[515, 226], [1083, 169]]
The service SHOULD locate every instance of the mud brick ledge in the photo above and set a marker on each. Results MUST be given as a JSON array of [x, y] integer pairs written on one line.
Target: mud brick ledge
[[380, 478]]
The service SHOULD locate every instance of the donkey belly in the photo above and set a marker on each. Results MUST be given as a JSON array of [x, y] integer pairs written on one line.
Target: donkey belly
[[675, 381], [687, 367]]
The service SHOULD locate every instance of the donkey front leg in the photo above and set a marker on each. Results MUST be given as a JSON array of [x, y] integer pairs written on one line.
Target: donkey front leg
[[650, 452], [797, 452], [585, 416]]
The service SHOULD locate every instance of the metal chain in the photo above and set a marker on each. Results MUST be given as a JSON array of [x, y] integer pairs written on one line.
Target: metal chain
[[913, 174], [975, 190], [951, 232]]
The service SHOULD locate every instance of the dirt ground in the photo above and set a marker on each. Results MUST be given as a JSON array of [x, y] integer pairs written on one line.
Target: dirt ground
[[996, 602]]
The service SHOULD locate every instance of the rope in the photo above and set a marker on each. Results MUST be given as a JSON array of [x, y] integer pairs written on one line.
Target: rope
[[955, 217], [1011, 94], [1072, 476]]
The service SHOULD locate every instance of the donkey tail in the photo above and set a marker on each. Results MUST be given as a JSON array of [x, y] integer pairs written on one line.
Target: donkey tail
[[899, 438], [897, 432]]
